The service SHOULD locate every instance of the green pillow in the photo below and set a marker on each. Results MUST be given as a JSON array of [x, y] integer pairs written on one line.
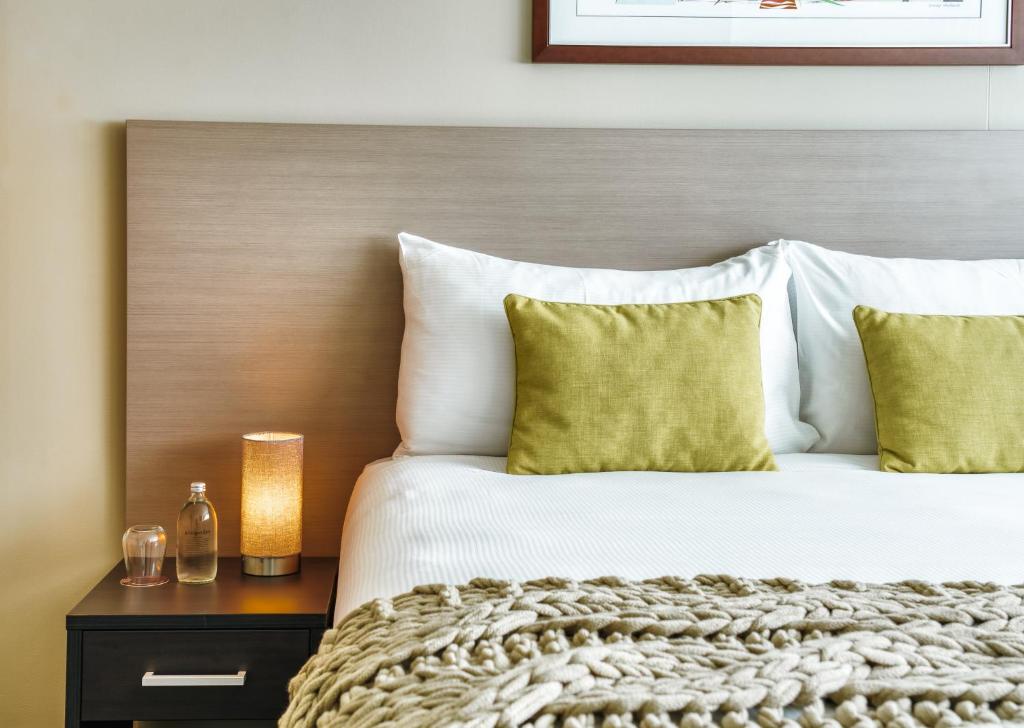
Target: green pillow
[[949, 391], [671, 386]]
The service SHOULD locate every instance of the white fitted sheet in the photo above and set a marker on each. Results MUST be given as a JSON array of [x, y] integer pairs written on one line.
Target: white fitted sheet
[[450, 518]]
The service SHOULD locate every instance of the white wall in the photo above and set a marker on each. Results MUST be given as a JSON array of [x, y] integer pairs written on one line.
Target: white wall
[[71, 72]]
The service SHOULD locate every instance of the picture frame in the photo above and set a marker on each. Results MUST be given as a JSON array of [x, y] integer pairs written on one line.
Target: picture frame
[[780, 32]]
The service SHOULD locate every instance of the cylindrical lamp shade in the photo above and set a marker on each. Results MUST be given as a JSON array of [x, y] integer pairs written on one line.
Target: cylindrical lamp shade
[[271, 503]]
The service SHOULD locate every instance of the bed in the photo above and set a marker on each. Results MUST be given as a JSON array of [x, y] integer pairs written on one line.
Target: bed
[[263, 292], [475, 598], [449, 519]]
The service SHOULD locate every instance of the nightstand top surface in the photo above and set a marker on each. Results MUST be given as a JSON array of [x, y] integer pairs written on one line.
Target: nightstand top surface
[[234, 599]]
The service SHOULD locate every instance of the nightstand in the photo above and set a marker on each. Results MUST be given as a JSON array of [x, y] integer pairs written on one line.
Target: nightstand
[[220, 651]]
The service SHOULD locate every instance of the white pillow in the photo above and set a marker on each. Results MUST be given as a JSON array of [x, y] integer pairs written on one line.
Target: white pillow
[[456, 387], [828, 284]]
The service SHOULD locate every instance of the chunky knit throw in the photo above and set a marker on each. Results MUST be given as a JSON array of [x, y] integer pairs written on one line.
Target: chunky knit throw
[[708, 651]]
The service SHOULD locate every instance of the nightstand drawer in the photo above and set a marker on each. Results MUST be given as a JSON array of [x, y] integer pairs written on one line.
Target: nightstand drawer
[[114, 663]]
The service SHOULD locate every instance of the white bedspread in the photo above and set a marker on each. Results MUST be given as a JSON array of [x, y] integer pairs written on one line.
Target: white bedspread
[[449, 518]]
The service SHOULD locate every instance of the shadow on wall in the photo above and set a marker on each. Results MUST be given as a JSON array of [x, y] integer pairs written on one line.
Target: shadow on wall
[[526, 31], [114, 136], [66, 344]]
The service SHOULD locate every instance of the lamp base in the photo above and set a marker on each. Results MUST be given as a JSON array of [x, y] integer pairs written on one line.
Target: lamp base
[[270, 565]]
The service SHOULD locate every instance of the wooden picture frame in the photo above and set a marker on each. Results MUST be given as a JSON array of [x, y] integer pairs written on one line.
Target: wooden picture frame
[[545, 51]]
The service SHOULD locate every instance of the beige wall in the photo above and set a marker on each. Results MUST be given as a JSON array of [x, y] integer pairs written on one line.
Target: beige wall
[[72, 71]]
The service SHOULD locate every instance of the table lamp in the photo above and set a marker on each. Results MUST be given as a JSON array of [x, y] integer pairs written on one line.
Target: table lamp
[[271, 503]]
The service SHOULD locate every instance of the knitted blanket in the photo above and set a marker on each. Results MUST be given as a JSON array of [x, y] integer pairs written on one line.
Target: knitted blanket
[[708, 651]]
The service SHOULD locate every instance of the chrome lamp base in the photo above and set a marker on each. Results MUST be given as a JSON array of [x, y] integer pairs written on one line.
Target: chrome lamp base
[[270, 565]]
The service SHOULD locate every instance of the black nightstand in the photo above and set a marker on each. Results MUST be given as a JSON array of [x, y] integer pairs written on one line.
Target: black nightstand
[[220, 651]]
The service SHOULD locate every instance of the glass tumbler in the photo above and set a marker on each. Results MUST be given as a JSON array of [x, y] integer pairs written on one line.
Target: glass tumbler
[[144, 548]]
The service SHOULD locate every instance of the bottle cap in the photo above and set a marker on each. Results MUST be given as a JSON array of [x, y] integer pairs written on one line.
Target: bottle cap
[[198, 487]]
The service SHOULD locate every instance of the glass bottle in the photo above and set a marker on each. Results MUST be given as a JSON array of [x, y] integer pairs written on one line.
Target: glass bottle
[[197, 538]]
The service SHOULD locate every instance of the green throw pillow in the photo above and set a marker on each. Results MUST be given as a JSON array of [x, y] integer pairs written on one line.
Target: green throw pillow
[[949, 391], [672, 386]]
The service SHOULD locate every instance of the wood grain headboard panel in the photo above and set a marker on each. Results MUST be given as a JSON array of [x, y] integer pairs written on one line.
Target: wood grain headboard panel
[[263, 283]]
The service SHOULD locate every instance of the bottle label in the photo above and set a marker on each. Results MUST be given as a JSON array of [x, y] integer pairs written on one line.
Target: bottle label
[[196, 542]]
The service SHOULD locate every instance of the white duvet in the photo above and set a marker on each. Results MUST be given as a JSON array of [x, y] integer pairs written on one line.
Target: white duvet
[[449, 518]]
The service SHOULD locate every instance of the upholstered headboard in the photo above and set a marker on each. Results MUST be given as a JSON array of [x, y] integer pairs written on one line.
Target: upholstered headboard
[[263, 282]]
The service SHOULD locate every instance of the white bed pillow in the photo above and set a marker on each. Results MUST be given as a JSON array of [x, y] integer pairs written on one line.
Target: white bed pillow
[[828, 284], [456, 387]]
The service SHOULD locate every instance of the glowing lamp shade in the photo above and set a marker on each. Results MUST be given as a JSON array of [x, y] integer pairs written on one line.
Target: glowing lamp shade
[[271, 503]]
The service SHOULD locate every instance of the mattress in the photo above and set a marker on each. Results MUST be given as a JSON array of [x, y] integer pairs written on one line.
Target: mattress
[[448, 519]]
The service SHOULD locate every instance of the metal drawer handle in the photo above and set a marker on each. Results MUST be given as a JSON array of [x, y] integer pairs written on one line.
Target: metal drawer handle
[[152, 680]]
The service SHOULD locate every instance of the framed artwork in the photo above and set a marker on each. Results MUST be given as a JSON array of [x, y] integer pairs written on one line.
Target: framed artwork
[[783, 32]]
